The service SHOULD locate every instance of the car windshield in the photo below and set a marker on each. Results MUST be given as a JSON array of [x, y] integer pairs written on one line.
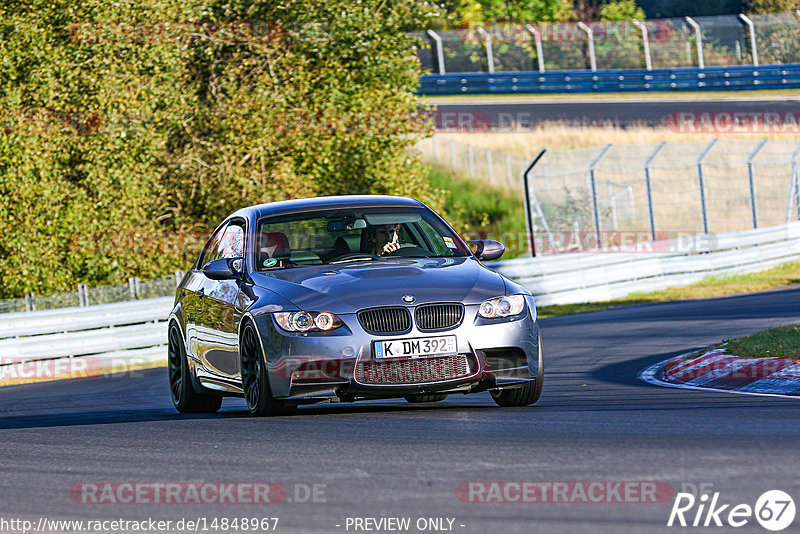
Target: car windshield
[[350, 235]]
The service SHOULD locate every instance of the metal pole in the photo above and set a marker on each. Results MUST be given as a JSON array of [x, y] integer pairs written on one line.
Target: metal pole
[[590, 41], [132, 288], [744, 18], [30, 301], [592, 178], [438, 46], [526, 196], [794, 187], [537, 35], [649, 186], [750, 159], [471, 155], [489, 165], [645, 42], [702, 185], [699, 40], [489, 55]]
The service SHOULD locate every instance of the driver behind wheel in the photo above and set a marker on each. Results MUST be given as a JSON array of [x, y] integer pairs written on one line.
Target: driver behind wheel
[[383, 238]]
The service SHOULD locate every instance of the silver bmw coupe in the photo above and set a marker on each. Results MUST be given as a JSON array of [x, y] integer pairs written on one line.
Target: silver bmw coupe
[[339, 299]]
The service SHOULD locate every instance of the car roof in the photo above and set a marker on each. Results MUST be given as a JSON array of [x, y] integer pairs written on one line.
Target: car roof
[[299, 205]]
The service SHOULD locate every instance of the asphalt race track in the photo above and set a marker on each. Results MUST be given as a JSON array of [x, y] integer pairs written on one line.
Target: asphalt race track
[[586, 109], [595, 422]]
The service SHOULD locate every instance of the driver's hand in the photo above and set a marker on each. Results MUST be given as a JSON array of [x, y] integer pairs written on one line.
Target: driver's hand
[[388, 248]]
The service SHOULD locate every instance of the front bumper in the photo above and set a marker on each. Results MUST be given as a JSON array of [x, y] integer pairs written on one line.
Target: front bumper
[[325, 365]]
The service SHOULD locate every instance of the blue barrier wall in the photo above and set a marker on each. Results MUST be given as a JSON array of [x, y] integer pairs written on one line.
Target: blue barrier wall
[[585, 81]]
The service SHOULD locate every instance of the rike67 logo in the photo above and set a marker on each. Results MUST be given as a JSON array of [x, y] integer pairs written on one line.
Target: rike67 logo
[[774, 510]]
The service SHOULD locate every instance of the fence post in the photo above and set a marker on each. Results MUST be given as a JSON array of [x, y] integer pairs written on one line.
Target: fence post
[[752, 29], [701, 182], [698, 40], [452, 153], [471, 157], [794, 187], [645, 42], [30, 301], [438, 47], [527, 199], [489, 53], [489, 165], [132, 288], [593, 181], [537, 35], [590, 40], [649, 186], [750, 158], [83, 297]]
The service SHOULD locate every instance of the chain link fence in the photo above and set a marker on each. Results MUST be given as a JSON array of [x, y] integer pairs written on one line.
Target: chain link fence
[[86, 295], [653, 44], [640, 193]]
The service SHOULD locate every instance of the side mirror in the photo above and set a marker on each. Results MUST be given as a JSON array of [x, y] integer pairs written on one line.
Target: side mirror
[[223, 268], [486, 249]]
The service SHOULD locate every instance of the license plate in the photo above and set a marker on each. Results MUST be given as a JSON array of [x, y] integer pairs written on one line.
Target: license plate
[[420, 346]]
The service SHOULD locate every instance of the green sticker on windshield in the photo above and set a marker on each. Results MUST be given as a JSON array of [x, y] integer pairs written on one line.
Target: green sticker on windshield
[[271, 262]]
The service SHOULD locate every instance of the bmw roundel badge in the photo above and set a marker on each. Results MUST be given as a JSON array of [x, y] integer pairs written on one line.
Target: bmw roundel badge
[[408, 299]]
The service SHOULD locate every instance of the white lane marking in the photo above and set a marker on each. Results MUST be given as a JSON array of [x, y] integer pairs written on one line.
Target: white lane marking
[[649, 376]]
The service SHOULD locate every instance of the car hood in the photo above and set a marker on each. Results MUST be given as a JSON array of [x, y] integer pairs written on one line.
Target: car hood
[[347, 288]]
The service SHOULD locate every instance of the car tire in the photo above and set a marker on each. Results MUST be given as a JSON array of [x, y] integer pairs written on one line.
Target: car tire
[[184, 397], [430, 397], [255, 383], [525, 395]]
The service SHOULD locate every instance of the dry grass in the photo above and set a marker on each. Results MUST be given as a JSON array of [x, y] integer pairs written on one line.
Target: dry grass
[[565, 136]]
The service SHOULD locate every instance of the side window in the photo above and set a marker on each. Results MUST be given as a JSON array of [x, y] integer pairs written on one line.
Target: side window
[[210, 252], [232, 244]]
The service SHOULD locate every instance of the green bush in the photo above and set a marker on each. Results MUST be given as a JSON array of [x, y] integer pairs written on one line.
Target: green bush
[[122, 145]]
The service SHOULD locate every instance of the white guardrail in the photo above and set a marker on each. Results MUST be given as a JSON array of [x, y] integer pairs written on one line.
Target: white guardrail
[[136, 330]]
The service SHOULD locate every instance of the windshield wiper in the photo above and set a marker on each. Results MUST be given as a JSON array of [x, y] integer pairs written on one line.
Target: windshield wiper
[[348, 260]]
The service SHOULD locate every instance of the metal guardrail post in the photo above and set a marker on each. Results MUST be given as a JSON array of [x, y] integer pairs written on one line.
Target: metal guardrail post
[[698, 40], [30, 301], [645, 43], [527, 199], [752, 30], [590, 40], [537, 36], [649, 186], [132, 287], [489, 53], [592, 178], [83, 295], [750, 158], [794, 187], [489, 165], [701, 183], [438, 47]]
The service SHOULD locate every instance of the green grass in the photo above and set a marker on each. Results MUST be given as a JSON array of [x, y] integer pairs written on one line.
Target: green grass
[[717, 286], [660, 95], [780, 342], [477, 210]]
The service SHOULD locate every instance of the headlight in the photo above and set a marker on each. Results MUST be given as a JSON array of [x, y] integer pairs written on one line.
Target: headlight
[[303, 321], [502, 307]]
